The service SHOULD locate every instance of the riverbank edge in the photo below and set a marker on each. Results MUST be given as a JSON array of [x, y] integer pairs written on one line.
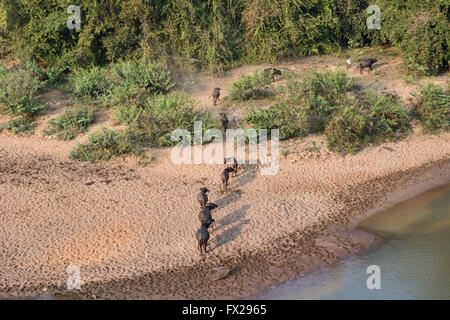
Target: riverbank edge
[[288, 257]]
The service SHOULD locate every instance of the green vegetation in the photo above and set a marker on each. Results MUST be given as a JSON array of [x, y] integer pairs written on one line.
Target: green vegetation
[[386, 118], [18, 87], [320, 93], [420, 29], [150, 124], [122, 82], [160, 115], [290, 120], [346, 131], [373, 119], [104, 143], [133, 79], [433, 109], [247, 87], [92, 85], [127, 62], [21, 125], [214, 36], [71, 123], [306, 105], [319, 103]]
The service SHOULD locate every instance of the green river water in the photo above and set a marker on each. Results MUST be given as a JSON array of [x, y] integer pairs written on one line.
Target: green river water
[[413, 257]]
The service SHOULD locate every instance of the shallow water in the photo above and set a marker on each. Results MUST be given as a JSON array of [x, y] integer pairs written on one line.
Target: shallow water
[[413, 257]]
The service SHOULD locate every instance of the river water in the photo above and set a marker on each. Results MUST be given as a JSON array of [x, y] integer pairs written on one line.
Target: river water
[[413, 257]]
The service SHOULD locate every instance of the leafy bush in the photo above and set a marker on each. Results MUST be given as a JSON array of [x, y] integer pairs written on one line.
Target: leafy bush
[[18, 87], [142, 74], [433, 109], [319, 103], [122, 83], [71, 123], [247, 87], [346, 132], [290, 120], [216, 35], [91, 84], [320, 94], [104, 143], [420, 29], [54, 75], [386, 118], [135, 80], [331, 85], [165, 113], [426, 44], [21, 125]]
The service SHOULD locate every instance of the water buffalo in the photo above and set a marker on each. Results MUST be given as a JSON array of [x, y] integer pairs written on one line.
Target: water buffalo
[[235, 165], [203, 237], [224, 120], [215, 95], [272, 72], [202, 198], [366, 63], [205, 216], [225, 176]]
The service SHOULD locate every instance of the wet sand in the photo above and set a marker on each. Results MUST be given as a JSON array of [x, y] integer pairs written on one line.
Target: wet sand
[[413, 255], [131, 229]]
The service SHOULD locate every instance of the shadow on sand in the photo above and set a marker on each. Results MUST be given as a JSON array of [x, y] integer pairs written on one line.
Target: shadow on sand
[[232, 233]]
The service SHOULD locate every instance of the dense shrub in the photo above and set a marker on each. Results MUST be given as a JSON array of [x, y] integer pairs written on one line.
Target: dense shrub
[[132, 78], [386, 117], [246, 87], [420, 29], [71, 123], [319, 94], [18, 87], [121, 83], [105, 143], [331, 85], [216, 35], [307, 105], [373, 118], [165, 113], [289, 119], [426, 43], [160, 115], [346, 132], [433, 109], [91, 84], [54, 76]]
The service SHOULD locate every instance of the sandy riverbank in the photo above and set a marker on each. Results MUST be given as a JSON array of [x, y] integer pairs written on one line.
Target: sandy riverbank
[[131, 229]]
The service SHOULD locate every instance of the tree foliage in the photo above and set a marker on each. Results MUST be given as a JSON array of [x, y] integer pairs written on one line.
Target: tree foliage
[[214, 35]]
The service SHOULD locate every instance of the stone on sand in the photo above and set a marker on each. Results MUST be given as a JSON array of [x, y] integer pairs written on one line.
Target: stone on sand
[[219, 273]]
